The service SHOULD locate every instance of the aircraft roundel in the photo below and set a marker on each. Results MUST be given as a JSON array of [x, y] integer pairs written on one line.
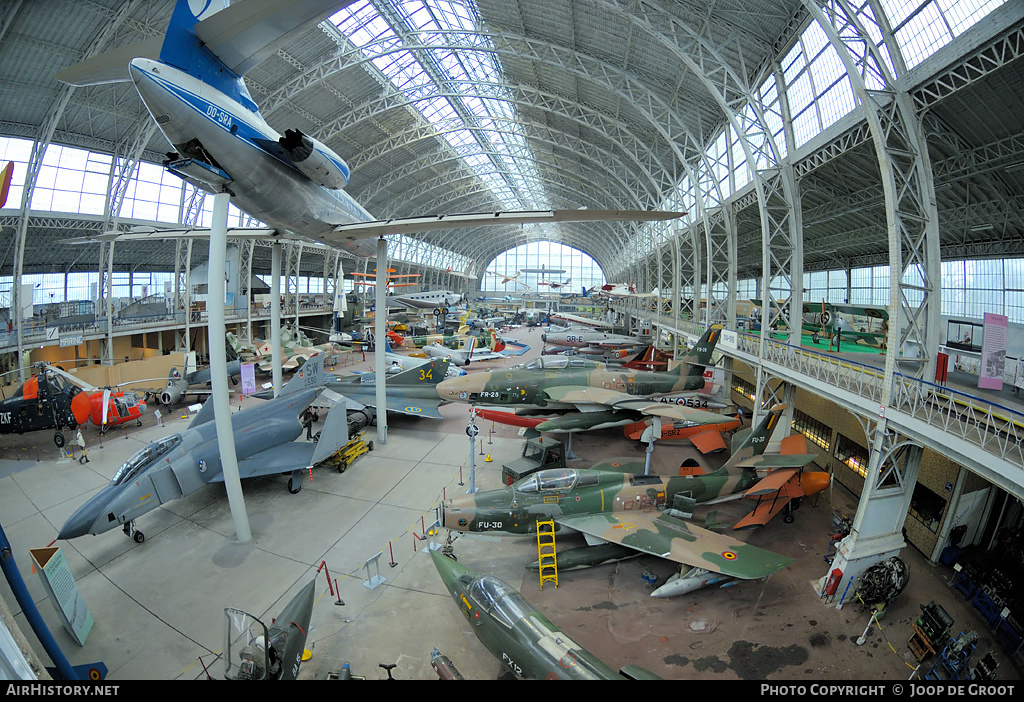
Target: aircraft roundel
[[729, 555], [413, 409], [463, 395]]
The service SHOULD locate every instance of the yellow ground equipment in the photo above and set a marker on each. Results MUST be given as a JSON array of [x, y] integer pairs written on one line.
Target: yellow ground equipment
[[355, 448]]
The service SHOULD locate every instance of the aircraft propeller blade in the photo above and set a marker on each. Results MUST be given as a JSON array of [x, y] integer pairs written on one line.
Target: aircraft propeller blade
[[106, 403]]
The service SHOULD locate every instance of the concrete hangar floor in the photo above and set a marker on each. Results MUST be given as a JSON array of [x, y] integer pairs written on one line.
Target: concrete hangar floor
[[158, 606]]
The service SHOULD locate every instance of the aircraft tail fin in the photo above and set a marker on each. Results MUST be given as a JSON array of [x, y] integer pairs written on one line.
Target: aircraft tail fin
[[754, 442], [334, 434], [310, 375], [5, 182], [204, 415], [430, 373], [699, 357]]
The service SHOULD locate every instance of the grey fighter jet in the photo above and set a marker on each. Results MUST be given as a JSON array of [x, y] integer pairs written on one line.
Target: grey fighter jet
[[179, 464]]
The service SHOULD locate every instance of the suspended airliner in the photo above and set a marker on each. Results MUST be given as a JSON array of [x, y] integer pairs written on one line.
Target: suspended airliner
[[191, 83]]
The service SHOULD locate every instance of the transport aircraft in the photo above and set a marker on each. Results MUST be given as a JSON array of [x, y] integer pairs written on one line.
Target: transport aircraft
[[191, 81]]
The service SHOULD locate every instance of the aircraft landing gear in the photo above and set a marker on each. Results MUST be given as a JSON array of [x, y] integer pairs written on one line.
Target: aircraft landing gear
[[790, 508], [295, 482], [58, 438], [131, 532]]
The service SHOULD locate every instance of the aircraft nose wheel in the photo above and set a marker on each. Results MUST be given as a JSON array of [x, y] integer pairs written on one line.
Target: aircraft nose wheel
[[58, 438], [131, 532]]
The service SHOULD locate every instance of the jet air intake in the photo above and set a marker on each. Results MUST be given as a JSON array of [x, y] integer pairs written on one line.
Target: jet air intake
[[315, 160]]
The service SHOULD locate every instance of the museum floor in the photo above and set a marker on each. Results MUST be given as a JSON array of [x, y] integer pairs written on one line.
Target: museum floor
[[158, 606]]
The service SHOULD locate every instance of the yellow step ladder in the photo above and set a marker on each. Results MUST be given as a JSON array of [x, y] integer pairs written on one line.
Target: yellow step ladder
[[546, 552]]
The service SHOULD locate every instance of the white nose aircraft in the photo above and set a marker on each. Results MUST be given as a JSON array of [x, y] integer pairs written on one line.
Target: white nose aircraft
[[192, 85]]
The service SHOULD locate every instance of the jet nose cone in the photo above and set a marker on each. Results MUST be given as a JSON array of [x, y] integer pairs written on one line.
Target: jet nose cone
[[78, 524], [448, 569]]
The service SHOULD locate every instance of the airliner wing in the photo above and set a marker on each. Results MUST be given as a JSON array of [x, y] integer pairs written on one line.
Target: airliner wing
[[412, 225], [171, 233]]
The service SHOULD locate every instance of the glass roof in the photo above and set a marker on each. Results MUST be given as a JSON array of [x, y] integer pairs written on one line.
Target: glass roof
[[450, 85]]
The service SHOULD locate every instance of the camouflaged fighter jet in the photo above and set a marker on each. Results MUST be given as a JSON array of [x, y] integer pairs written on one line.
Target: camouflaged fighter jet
[[623, 514], [519, 636], [594, 398]]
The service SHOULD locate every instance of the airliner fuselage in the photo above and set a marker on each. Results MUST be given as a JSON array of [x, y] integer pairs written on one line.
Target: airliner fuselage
[[228, 133]]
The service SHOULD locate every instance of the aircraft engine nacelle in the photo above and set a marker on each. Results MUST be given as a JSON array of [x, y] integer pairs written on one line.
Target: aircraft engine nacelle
[[315, 160]]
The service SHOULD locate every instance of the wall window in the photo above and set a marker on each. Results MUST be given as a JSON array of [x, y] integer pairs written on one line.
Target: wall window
[[853, 455], [817, 432]]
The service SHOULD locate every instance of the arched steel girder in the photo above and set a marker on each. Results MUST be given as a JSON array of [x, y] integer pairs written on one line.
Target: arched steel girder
[[773, 181], [351, 56], [663, 120], [42, 141], [557, 174], [484, 243], [911, 214], [605, 174], [607, 129], [451, 200]]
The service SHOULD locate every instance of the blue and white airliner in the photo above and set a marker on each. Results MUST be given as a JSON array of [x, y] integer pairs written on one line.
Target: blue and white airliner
[[191, 83]]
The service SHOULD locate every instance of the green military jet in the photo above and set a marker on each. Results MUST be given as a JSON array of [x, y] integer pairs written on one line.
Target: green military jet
[[519, 636], [627, 514], [595, 398]]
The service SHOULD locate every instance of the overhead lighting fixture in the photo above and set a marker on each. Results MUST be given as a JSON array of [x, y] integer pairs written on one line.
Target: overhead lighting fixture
[[982, 227], [1014, 167]]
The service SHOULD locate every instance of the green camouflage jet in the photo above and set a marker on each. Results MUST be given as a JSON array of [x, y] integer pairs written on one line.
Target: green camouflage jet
[[629, 514], [594, 398], [519, 636]]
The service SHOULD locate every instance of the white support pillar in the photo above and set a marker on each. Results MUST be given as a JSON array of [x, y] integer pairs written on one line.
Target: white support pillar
[[218, 366], [380, 313], [275, 315]]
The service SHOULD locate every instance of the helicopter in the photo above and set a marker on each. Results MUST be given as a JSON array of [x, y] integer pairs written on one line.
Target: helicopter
[[47, 400], [108, 406]]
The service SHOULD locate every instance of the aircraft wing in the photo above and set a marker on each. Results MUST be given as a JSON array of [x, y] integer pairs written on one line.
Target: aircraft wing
[[413, 225], [279, 459], [873, 312], [775, 461], [415, 407], [661, 535], [708, 441], [590, 399], [144, 233]]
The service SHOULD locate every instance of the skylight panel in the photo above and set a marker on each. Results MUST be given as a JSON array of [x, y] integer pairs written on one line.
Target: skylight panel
[[433, 71]]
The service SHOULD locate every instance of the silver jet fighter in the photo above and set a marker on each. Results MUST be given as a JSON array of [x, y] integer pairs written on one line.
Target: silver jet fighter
[[179, 464]]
